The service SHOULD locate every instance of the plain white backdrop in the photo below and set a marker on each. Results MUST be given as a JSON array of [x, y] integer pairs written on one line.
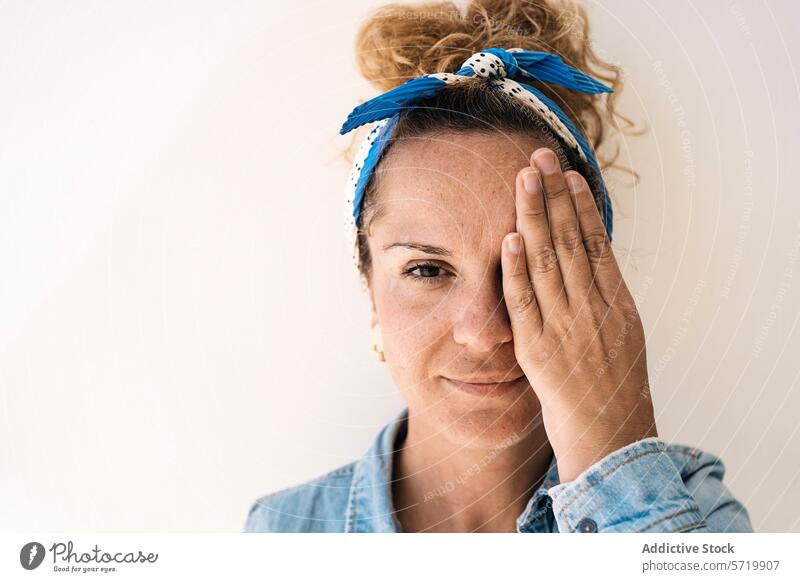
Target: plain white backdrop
[[181, 330]]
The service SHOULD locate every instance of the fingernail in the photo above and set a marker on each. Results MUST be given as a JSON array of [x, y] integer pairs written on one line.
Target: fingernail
[[530, 181], [546, 161], [512, 243], [574, 183]]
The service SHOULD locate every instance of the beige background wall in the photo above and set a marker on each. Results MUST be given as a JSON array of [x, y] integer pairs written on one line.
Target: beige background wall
[[180, 328]]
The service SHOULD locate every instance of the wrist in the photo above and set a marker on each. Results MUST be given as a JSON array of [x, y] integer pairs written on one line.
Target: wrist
[[576, 456]]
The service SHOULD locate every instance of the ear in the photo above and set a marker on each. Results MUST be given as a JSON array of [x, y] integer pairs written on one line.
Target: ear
[[374, 314]]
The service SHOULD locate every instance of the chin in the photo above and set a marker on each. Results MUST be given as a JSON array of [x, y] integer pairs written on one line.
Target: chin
[[480, 424]]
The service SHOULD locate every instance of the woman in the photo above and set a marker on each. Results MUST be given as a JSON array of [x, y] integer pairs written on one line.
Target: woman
[[481, 227]]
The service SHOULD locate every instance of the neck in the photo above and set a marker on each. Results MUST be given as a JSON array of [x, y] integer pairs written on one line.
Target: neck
[[440, 487]]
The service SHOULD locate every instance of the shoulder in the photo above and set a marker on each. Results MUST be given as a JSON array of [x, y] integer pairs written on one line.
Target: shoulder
[[318, 505]]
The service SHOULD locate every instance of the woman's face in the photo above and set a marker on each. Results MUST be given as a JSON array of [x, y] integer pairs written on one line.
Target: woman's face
[[436, 282]]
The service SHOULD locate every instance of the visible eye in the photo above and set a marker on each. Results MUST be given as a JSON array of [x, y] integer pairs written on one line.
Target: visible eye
[[427, 273]]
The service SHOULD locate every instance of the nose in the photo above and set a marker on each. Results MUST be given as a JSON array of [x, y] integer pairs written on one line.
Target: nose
[[482, 321]]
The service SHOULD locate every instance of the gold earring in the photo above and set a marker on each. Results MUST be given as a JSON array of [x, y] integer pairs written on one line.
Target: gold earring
[[377, 342]]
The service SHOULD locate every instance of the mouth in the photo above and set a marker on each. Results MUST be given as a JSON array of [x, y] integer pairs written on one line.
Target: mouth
[[487, 387]]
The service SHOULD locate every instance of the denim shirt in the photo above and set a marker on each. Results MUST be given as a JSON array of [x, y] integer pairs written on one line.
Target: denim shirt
[[646, 486]]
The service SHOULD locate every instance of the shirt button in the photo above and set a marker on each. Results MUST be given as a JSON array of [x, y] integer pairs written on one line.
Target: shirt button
[[587, 525]]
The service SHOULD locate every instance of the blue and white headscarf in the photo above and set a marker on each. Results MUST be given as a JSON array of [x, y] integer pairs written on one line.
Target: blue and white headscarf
[[505, 70]]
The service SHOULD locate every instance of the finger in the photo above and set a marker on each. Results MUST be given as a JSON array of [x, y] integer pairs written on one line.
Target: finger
[[606, 273], [564, 227], [520, 297], [542, 262]]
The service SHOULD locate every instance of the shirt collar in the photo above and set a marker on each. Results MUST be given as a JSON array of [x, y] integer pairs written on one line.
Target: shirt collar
[[369, 505]]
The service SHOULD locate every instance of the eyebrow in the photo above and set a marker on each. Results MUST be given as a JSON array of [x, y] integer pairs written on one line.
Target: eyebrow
[[429, 249]]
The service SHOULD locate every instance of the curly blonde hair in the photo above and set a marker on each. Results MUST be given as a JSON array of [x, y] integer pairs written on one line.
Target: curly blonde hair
[[399, 42]]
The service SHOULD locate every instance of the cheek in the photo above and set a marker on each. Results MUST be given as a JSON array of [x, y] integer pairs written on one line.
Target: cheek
[[414, 325]]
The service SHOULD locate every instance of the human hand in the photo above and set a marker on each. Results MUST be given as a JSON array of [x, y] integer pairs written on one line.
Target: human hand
[[577, 333]]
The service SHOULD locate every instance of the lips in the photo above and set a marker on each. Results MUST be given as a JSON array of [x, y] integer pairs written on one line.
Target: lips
[[486, 387], [485, 380]]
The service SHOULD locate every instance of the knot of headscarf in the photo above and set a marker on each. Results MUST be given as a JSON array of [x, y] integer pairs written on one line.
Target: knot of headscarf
[[506, 70], [490, 65]]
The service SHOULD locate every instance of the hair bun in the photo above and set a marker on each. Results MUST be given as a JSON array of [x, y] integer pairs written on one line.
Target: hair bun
[[398, 42]]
